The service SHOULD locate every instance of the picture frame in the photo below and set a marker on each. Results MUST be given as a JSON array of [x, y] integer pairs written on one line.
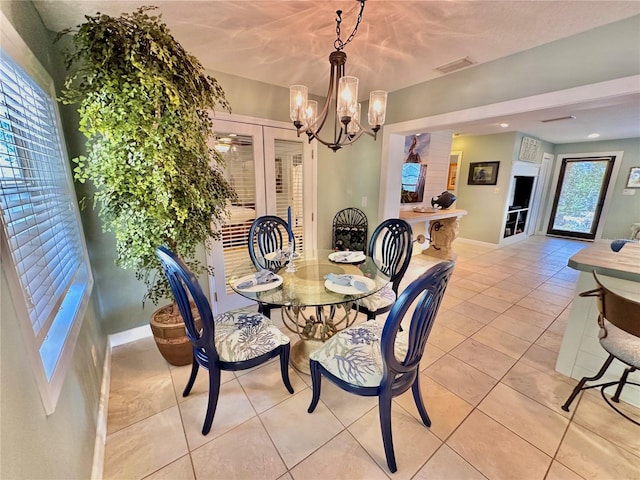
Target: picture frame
[[633, 180], [483, 173], [452, 175]]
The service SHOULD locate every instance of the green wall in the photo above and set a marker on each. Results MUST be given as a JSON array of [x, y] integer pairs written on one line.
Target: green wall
[[35, 445]]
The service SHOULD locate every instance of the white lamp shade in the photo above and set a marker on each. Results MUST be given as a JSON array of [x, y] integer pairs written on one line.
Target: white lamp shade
[[298, 98], [377, 107]]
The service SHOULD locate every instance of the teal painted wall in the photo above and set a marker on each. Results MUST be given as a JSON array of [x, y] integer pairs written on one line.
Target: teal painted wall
[[35, 445]]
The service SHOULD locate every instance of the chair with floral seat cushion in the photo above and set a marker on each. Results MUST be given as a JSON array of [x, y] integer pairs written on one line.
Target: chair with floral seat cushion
[[371, 359], [235, 340], [390, 246], [619, 322], [268, 234]]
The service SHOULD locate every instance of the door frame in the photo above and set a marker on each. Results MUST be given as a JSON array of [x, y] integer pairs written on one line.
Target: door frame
[[311, 196], [617, 161]]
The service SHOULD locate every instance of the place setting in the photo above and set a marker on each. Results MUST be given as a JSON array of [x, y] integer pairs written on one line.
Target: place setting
[[348, 284], [258, 282], [347, 257]]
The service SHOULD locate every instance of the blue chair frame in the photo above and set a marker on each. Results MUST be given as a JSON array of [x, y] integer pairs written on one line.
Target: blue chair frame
[[267, 234], [398, 375], [396, 240], [184, 284]]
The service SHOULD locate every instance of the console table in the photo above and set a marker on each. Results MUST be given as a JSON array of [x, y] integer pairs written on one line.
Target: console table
[[440, 225]]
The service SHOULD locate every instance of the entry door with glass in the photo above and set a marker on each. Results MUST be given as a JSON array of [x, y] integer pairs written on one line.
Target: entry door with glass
[[270, 169], [579, 198]]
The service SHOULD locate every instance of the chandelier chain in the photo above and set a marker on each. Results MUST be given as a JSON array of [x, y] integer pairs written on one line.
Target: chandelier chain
[[339, 44]]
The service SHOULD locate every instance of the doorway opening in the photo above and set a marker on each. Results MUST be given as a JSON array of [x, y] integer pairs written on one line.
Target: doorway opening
[[580, 195]]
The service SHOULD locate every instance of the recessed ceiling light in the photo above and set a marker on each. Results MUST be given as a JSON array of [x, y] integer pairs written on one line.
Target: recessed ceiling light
[[504, 125], [593, 135]]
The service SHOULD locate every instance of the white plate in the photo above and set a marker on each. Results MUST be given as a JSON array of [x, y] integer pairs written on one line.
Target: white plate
[[261, 287], [336, 257], [350, 289]]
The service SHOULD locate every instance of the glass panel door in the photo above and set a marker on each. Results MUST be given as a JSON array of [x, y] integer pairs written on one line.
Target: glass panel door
[[579, 197], [271, 169], [241, 148]]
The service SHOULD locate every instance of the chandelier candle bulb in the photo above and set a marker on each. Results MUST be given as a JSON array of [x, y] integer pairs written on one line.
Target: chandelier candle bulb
[[377, 108], [354, 125], [347, 98], [311, 113], [298, 100]]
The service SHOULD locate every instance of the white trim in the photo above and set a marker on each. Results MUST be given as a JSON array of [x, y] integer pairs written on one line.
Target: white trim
[[97, 467], [393, 135], [480, 243], [131, 335]]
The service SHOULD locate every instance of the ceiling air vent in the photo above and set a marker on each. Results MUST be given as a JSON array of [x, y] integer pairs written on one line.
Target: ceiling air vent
[[456, 65], [568, 117]]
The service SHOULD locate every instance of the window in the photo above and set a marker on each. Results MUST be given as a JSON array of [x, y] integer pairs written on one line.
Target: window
[[42, 245]]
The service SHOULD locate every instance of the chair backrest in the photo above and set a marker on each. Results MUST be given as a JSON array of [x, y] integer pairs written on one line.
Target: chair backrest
[[185, 286], [425, 295], [622, 312], [266, 235], [391, 246], [350, 230]]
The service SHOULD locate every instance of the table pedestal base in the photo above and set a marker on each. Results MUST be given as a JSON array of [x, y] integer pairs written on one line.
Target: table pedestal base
[[300, 352], [442, 232]]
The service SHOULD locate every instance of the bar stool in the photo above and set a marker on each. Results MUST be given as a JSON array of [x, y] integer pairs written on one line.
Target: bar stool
[[619, 321]]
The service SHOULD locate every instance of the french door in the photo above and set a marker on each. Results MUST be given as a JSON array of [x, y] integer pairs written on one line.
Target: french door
[[271, 169], [580, 195]]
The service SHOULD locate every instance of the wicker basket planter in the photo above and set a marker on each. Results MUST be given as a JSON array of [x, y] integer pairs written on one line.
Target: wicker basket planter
[[171, 336]]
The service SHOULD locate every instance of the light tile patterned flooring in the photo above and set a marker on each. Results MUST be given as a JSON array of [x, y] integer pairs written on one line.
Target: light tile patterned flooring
[[488, 383]]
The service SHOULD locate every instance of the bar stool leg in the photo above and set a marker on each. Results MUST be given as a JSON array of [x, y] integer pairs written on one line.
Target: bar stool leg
[[584, 380]]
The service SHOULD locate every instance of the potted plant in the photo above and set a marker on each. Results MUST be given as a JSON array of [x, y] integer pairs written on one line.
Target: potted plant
[[144, 106]]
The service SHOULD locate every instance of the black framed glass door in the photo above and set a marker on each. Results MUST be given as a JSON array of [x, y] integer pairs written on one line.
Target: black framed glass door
[[577, 204]]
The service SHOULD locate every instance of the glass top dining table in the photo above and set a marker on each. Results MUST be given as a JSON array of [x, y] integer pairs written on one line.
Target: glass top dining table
[[312, 306]]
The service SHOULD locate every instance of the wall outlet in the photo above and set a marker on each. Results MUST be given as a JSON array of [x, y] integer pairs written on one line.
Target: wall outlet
[[363, 202]]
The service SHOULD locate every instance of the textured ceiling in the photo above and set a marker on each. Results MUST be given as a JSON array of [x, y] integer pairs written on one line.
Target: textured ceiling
[[398, 44]]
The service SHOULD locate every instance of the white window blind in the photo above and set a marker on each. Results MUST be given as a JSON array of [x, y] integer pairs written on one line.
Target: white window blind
[[39, 214]]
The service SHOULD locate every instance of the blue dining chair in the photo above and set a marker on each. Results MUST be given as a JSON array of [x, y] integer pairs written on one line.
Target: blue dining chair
[[268, 234], [390, 246], [371, 359], [235, 340]]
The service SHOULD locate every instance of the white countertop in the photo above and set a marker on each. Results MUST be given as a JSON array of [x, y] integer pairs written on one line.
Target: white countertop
[[416, 217]]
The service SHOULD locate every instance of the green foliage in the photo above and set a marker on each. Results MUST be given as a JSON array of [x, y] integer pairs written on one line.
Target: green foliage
[[144, 106]]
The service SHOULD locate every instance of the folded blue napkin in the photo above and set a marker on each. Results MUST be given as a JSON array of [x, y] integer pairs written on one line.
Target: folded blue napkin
[[261, 277], [346, 280]]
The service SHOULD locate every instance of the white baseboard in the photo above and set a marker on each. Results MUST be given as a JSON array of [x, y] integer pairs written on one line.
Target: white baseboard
[[475, 242], [130, 335], [97, 468]]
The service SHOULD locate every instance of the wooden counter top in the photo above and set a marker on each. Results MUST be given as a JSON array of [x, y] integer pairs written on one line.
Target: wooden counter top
[[415, 217], [624, 264]]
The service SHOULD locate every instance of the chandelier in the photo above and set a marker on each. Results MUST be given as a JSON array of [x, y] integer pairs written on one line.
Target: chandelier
[[342, 96]]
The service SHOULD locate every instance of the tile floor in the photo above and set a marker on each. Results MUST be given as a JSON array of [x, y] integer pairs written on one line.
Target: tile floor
[[488, 382]]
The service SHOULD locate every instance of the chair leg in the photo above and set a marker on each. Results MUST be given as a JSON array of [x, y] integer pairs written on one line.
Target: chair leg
[[264, 309], [316, 379], [214, 392], [284, 366], [192, 378], [384, 407], [417, 397], [623, 381], [580, 385]]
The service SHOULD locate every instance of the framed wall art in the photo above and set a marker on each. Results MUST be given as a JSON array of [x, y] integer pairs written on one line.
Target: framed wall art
[[633, 180], [483, 173]]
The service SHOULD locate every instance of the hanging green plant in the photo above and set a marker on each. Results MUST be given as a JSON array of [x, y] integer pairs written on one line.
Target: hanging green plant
[[145, 106]]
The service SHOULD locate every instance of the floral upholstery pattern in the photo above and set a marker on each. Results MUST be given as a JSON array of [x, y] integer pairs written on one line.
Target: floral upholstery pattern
[[243, 334], [380, 299], [354, 354]]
